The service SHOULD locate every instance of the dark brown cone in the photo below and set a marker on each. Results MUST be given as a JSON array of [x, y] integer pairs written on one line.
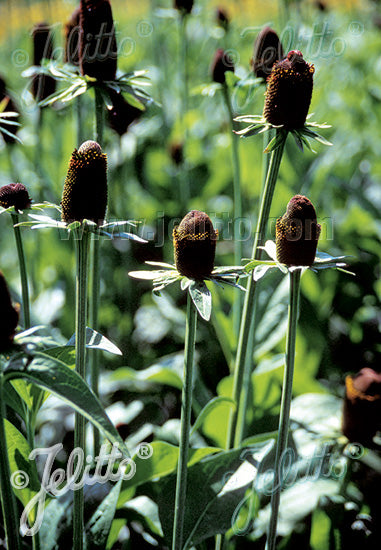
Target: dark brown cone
[[9, 316], [222, 18], [42, 86], [71, 53], [176, 151], [10, 107], [183, 5], [194, 242], [85, 190], [297, 233], [98, 51], [267, 50], [362, 407], [15, 194], [122, 114], [289, 92], [222, 63]]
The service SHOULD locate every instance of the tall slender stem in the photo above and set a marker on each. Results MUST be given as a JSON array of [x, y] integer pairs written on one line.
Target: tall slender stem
[[8, 502], [82, 249], [23, 272], [237, 417], [95, 269], [186, 410], [284, 419], [79, 119], [237, 307], [183, 75]]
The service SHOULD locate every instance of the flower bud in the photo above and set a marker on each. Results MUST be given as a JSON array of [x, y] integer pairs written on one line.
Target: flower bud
[[222, 18], [194, 241], [289, 91], [9, 317], [71, 53], [297, 233], [15, 194], [222, 63], [9, 107], [184, 6], [85, 190], [42, 86], [121, 114], [362, 406], [267, 50], [97, 43]]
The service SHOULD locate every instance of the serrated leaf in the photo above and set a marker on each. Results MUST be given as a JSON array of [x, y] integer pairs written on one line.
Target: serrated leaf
[[202, 298]]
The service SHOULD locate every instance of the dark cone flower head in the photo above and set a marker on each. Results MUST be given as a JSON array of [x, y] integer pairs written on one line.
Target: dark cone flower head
[[10, 107], [176, 151], [289, 92], [71, 54], [121, 114], [194, 242], [297, 233], [267, 50], [42, 86], [9, 316], [85, 190], [362, 407], [222, 63], [183, 5], [98, 49], [15, 194]]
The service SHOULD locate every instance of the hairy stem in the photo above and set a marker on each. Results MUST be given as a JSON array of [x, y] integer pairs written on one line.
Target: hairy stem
[[186, 410], [285, 406]]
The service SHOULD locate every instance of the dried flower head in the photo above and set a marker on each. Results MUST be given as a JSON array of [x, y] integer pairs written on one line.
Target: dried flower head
[[184, 6], [362, 406], [297, 233], [10, 107], [9, 317], [71, 53], [267, 50], [194, 241], [222, 18], [222, 63], [289, 92], [42, 86], [15, 194], [85, 190], [97, 43], [121, 114]]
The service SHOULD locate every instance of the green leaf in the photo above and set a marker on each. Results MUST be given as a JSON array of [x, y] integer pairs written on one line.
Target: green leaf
[[14, 400], [95, 340], [202, 298], [98, 528], [155, 374], [53, 375], [209, 407]]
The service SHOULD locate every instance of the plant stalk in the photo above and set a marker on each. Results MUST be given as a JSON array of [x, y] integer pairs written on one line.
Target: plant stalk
[[82, 251], [186, 410], [285, 406], [183, 74], [8, 502], [23, 272], [237, 417], [237, 307]]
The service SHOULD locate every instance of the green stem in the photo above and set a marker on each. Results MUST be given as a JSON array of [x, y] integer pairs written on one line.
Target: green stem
[[186, 410], [183, 74], [8, 502], [82, 249], [237, 307], [237, 417], [99, 116], [285, 406], [23, 272], [79, 120]]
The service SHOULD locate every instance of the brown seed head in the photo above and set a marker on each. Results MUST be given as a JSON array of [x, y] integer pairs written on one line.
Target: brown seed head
[[176, 151], [184, 6], [98, 50], [85, 190], [15, 194], [42, 86], [267, 50], [121, 114], [9, 316], [194, 242], [10, 107], [222, 63], [71, 54], [289, 92], [362, 407], [297, 233]]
